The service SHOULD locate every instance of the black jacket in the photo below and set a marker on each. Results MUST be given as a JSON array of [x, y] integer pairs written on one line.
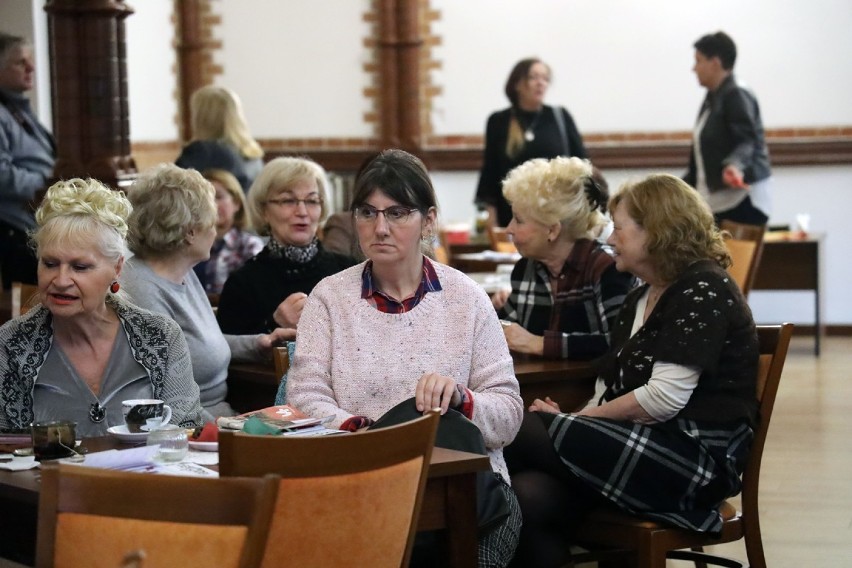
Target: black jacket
[[253, 291], [548, 143], [733, 134]]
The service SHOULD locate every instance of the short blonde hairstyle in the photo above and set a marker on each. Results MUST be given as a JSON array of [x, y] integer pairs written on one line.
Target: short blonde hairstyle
[[281, 174], [217, 114], [77, 211], [235, 190], [561, 191], [678, 223], [168, 202]]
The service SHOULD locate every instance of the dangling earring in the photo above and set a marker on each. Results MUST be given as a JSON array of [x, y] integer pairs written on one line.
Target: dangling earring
[[114, 287]]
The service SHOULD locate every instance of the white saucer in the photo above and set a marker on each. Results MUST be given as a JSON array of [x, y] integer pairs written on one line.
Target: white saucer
[[204, 446], [124, 435]]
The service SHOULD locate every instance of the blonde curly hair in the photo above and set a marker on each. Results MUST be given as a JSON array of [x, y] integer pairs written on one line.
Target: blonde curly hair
[[561, 191], [168, 202], [678, 223], [76, 211]]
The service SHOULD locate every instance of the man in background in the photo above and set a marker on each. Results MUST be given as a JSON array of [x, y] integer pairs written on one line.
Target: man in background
[[729, 161], [27, 155]]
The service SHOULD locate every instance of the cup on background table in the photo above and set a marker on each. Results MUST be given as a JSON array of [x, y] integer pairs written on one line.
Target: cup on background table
[[145, 414], [53, 439], [173, 443]]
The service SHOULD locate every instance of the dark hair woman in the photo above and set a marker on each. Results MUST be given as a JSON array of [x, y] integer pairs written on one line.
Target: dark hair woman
[[527, 129]]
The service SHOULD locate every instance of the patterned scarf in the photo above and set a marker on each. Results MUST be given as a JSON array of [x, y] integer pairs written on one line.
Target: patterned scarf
[[299, 255]]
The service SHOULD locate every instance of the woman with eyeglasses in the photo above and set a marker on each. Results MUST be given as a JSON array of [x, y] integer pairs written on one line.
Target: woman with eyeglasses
[[171, 229], [287, 202], [527, 129], [401, 326]]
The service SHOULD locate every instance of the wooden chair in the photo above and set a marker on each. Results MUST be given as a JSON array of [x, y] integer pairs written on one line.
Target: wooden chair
[[500, 240], [745, 247], [344, 500], [24, 297], [443, 251], [652, 542], [441, 255], [101, 518], [281, 359]]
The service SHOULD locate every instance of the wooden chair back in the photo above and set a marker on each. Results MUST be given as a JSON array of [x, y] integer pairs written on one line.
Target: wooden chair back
[[281, 359], [344, 500], [745, 247], [24, 297], [101, 518], [652, 542], [500, 240], [442, 255]]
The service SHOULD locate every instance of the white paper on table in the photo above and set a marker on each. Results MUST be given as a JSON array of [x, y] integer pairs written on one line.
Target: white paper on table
[[132, 458], [19, 463], [202, 458], [185, 468]]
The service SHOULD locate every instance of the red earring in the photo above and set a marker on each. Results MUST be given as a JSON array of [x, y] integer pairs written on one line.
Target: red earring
[[114, 287]]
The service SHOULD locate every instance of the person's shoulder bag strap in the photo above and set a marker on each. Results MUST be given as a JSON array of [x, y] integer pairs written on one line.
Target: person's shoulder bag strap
[[560, 124]]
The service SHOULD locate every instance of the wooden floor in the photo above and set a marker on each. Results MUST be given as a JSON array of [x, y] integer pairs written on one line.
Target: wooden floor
[[806, 477], [806, 481]]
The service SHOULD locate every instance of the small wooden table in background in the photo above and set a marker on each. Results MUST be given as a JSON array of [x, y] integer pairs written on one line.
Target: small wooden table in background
[[791, 261]]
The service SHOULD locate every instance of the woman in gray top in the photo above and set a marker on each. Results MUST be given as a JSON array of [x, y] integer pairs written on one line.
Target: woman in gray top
[[172, 228], [84, 349]]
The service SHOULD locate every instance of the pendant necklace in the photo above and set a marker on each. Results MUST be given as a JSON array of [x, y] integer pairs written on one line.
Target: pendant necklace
[[529, 135]]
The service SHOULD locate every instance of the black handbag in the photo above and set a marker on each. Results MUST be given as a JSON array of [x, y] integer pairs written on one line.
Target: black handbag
[[456, 432]]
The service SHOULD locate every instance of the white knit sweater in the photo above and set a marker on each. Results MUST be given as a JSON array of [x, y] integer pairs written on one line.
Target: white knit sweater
[[352, 359]]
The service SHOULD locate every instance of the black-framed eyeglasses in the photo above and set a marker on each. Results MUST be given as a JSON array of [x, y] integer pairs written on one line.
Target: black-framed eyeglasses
[[395, 214], [292, 202]]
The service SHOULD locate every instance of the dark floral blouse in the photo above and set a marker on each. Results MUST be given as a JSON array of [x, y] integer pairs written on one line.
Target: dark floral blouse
[[701, 320]]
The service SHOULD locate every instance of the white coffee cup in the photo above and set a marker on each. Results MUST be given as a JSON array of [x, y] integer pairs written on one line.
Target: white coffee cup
[[144, 414]]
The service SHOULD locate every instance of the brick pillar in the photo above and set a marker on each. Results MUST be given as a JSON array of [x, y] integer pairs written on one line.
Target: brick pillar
[[88, 74]]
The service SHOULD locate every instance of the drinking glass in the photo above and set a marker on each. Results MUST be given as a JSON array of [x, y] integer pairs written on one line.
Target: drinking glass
[[172, 441]]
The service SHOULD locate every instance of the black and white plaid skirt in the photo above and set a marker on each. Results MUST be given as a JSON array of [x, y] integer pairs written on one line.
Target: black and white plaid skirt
[[677, 472]]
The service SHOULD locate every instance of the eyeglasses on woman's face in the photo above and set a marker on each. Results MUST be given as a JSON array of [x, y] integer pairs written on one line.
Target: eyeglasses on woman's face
[[395, 214], [293, 203]]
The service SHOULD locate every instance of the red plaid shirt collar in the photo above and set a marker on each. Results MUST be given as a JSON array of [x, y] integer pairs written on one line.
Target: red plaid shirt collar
[[384, 303]]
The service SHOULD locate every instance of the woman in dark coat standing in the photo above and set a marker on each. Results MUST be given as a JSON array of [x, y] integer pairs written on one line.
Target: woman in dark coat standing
[[527, 129]]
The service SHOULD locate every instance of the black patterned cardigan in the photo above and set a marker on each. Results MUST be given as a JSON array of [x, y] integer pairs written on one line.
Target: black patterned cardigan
[[156, 342]]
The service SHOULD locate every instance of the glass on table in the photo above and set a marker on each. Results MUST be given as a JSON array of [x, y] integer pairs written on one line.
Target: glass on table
[[173, 443]]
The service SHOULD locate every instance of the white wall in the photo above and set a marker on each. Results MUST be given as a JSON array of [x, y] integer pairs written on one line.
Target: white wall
[[151, 61], [623, 65], [297, 65]]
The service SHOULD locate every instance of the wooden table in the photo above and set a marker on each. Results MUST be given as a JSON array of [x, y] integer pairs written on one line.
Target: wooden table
[[251, 386], [570, 383], [449, 503], [486, 261], [792, 262]]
